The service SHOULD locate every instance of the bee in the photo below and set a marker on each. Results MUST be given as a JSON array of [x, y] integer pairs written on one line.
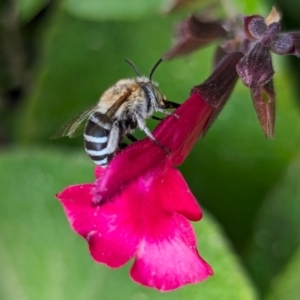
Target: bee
[[120, 110]]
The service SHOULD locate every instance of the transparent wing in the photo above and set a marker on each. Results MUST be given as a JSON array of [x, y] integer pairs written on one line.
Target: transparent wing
[[75, 126]]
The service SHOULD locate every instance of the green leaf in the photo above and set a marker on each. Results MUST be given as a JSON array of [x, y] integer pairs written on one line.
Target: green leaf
[[41, 258], [277, 232], [102, 10], [287, 284], [29, 8], [248, 7]]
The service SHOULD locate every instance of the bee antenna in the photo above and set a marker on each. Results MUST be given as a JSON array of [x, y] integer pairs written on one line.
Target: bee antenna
[[155, 66], [133, 67]]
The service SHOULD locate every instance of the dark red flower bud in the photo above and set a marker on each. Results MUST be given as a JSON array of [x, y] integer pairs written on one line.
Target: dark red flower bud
[[296, 41], [195, 34], [289, 43], [216, 90], [254, 26], [255, 68], [267, 33], [264, 103], [283, 44], [219, 54], [270, 34]]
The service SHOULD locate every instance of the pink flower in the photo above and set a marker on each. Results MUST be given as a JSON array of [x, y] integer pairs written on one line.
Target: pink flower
[[140, 205]]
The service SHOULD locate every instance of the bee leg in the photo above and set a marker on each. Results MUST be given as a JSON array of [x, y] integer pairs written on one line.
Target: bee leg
[[150, 135], [131, 137], [170, 104], [113, 138], [156, 118], [142, 126], [166, 112], [122, 146]]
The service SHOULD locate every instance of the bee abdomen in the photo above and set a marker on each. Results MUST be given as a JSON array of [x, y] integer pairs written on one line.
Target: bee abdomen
[[95, 141]]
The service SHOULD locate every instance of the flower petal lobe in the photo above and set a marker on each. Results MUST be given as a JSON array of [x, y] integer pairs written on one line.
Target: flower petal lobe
[[169, 261]]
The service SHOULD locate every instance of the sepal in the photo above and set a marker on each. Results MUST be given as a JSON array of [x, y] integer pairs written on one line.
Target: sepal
[[263, 98]]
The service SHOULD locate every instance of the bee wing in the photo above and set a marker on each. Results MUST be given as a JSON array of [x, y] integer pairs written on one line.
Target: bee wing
[[113, 109], [75, 126]]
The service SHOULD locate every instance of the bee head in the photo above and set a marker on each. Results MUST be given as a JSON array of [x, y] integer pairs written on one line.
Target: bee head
[[137, 71], [151, 86]]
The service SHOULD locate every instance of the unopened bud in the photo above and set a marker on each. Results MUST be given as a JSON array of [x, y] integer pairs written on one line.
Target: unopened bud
[[255, 68]]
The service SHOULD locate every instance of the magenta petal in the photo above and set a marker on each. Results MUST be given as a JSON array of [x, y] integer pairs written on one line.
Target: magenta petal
[[177, 197], [76, 201], [99, 171], [193, 116], [116, 233], [170, 260], [147, 221], [119, 172], [144, 208], [109, 229]]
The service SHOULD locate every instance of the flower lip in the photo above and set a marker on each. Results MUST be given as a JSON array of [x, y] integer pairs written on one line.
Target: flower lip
[[146, 222]]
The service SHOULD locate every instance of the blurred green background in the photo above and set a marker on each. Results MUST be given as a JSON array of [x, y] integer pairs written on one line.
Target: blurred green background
[[56, 58]]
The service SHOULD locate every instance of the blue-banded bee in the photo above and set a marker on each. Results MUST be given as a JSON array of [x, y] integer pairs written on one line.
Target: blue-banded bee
[[120, 110]]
